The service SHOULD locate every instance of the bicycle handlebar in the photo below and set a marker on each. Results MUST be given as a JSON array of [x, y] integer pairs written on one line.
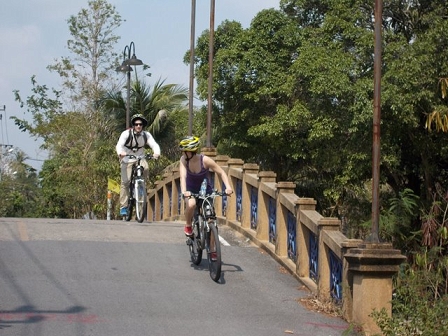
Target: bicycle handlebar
[[145, 156], [214, 194]]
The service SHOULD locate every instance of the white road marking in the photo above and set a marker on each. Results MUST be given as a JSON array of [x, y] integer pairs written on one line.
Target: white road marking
[[223, 241]]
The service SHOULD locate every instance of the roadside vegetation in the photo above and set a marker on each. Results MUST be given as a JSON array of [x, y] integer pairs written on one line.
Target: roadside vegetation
[[293, 93]]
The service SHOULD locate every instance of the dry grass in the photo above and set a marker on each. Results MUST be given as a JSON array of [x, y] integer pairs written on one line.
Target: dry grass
[[328, 308]]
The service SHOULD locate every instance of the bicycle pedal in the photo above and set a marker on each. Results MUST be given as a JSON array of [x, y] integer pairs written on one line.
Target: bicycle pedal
[[189, 241]]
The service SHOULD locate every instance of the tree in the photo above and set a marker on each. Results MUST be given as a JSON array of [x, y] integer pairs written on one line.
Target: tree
[[158, 104], [89, 73], [294, 93], [75, 130]]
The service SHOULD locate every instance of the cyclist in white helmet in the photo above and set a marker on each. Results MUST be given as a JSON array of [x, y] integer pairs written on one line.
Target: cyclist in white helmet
[[133, 141], [193, 169]]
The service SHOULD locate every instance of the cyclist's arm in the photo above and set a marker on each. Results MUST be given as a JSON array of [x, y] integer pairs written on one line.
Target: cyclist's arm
[[151, 142], [183, 177], [120, 148], [209, 163]]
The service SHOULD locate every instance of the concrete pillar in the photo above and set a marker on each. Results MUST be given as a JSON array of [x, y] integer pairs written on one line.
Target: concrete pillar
[[250, 171], [265, 177], [175, 192], [157, 201], [323, 283], [303, 248], [166, 197], [209, 151], [281, 244], [372, 266], [233, 164], [221, 160]]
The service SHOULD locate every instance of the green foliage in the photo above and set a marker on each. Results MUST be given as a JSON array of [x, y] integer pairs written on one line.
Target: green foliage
[[19, 187], [415, 311], [294, 94], [164, 106], [87, 75], [420, 300]]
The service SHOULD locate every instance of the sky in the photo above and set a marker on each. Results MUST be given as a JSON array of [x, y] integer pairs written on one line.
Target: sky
[[34, 33]]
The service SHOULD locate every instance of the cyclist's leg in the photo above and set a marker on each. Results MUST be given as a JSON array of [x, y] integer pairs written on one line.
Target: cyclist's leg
[[190, 205], [145, 166], [126, 170]]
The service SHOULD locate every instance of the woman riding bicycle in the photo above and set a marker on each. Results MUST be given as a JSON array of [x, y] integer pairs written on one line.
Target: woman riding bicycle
[[133, 141], [193, 170]]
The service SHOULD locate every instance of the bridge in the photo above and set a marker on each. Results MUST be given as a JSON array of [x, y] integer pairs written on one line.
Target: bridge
[[354, 274]]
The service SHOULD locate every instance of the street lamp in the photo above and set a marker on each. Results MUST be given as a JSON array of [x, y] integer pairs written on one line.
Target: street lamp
[[128, 61]]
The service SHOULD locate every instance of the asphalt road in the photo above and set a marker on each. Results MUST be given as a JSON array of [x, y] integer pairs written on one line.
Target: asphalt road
[[115, 278]]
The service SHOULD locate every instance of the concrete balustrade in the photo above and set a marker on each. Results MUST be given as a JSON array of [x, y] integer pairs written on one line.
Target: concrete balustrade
[[354, 274]]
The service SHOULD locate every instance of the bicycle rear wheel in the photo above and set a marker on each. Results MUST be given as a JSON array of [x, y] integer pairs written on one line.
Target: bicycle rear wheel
[[214, 252], [195, 245], [140, 200]]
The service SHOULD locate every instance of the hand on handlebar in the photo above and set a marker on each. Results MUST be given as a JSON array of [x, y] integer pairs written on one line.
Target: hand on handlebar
[[228, 192]]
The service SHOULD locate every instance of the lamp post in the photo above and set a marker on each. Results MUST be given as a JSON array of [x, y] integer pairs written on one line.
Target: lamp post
[[191, 83], [210, 73], [374, 236], [126, 66]]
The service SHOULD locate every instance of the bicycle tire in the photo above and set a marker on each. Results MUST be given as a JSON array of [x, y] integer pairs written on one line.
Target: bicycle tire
[[130, 202], [195, 245], [213, 245], [140, 200]]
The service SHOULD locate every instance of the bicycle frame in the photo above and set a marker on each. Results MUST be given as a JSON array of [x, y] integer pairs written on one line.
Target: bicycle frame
[[205, 235], [137, 189]]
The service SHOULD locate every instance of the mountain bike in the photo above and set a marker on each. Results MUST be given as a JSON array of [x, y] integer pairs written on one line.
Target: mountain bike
[[137, 189], [205, 234]]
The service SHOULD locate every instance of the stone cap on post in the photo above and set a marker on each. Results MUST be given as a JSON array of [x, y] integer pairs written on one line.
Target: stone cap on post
[[329, 223], [235, 163], [209, 151], [267, 176], [286, 187], [221, 160], [250, 168], [306, 203], [375, 257]]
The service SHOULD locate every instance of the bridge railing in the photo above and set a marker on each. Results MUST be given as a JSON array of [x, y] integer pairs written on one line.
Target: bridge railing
[[352, 273]]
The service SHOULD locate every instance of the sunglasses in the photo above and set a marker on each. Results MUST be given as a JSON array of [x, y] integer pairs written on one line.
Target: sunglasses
[[138, 124]]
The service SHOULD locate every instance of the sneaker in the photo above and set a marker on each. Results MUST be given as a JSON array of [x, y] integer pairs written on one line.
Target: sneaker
[[188, 230], [123, 211], [213, 256]]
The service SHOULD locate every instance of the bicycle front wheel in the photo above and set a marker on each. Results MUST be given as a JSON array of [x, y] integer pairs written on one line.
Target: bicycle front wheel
[[195, 245], [214, 252], [131, 202], [140, 200]]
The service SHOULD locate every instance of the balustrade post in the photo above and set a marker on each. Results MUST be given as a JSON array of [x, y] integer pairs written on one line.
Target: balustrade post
[[281, 243], [166, 197], [372, 266], [250, 178], [150, 210], [175, 194], [157, 202], [209, 151], [234, 173], [221, 160], [265, 178], [303, 238], [323, 281]]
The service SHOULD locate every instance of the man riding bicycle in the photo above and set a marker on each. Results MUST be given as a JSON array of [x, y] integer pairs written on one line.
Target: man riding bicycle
[[193, 169], [133, 142]]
